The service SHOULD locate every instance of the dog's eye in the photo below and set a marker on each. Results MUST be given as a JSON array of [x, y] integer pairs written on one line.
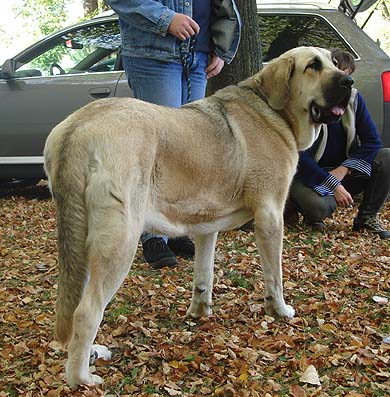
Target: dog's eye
[[335, 62], [316, 64]]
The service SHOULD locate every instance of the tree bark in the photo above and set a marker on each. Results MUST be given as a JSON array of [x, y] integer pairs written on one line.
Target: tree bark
[[248, 59]]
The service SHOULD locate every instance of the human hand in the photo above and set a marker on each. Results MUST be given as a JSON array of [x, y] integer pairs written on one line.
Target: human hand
[[215, 66], [183, 27], [340, 172], [342, 197]]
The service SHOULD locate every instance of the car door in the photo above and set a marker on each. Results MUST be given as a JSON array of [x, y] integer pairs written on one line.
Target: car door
[[52, 80]]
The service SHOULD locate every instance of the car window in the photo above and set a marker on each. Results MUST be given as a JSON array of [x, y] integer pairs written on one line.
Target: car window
[[280, 33], [89, 49]]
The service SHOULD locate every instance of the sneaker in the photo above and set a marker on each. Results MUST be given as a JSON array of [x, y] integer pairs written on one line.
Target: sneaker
[[315, 225], [157, 253], [182, 246], [371, 224]]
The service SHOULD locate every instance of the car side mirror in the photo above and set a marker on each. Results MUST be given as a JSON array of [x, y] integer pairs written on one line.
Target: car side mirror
[[8, 69]]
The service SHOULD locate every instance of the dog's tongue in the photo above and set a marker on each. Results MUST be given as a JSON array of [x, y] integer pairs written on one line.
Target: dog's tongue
[[337, 110]]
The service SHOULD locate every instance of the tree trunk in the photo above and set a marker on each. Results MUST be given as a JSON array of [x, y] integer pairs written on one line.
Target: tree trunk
[[248, 59]]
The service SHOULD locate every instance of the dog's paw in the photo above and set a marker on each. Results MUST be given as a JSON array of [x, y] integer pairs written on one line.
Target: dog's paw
[[99, 351], [90, 380], [95, 380], [281, 310], [287, 311], [102, 352], [199, 310]]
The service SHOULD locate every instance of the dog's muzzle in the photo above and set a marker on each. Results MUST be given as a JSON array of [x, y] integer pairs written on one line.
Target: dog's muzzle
[[337, 102]]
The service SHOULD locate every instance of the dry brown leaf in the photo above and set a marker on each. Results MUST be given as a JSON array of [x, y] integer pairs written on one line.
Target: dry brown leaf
[[329, 276], [297, 391]]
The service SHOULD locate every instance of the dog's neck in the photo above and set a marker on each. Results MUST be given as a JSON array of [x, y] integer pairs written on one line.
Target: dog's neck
[[305, 133], [249, 85], [287, 116]]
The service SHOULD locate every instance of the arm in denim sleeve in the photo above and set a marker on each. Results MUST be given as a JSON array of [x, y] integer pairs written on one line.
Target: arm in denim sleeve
[[312, 175], [363, 155], [147, 15]]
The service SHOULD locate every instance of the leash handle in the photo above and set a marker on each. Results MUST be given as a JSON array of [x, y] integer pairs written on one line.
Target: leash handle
[[187, 59]]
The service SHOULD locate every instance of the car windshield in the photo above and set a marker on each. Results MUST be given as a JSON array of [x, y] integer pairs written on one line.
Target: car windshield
[[91, 48]]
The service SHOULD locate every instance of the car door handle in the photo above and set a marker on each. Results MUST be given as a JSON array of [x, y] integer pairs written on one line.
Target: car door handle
[[101, 92]]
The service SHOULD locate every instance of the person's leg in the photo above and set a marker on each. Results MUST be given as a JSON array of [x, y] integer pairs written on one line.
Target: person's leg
[[184, 246], [164, 83], [290, 214], [154, 81], [160, 83], [378, 186], [311, 205], [375, 194]]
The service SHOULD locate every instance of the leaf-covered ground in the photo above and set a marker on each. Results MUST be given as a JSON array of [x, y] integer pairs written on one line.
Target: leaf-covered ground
[[335, 346]]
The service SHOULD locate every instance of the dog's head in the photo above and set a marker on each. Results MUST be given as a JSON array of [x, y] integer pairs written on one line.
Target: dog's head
[[309, 89]]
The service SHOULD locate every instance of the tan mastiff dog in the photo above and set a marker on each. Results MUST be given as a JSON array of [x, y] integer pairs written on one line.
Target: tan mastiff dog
[[120, 166]]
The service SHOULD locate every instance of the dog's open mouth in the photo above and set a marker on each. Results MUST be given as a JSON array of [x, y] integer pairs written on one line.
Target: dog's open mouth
[[327, 115]]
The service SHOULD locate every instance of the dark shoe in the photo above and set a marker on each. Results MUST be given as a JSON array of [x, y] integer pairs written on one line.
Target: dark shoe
[[371, 224], [158, 254], [182, 246], [315, 225]]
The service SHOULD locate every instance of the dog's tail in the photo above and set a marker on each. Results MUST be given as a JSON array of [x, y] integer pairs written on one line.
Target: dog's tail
[[67, 184]]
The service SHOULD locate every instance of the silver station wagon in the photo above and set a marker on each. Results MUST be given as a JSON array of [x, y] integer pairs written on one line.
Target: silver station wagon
[[43, 84]]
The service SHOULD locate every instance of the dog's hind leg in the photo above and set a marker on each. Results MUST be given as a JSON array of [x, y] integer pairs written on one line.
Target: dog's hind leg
[[203, 276], [106, 276], [114, 227], [269, 240]]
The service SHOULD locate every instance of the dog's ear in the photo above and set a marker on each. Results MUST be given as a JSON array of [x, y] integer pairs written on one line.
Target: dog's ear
[[273, 82]]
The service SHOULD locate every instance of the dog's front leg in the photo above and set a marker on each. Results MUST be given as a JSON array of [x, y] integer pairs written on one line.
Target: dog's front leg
[[203, 275], [269, 240]]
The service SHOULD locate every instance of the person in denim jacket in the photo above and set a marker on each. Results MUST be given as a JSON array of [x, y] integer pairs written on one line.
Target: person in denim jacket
[[155, 43]]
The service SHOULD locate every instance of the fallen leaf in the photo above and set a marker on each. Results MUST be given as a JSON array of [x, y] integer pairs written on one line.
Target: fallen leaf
[[380, 299], [27, 300], [310, 376], [239, 351], [297, 391], [173, 392]]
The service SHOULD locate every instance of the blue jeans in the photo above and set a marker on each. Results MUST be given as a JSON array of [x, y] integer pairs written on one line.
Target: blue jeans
[[164, 83]]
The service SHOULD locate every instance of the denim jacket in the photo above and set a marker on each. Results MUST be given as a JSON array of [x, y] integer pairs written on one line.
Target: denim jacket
[[144, 27]]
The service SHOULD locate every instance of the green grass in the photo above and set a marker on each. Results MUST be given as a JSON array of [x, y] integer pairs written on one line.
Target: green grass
[[238, 280]]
